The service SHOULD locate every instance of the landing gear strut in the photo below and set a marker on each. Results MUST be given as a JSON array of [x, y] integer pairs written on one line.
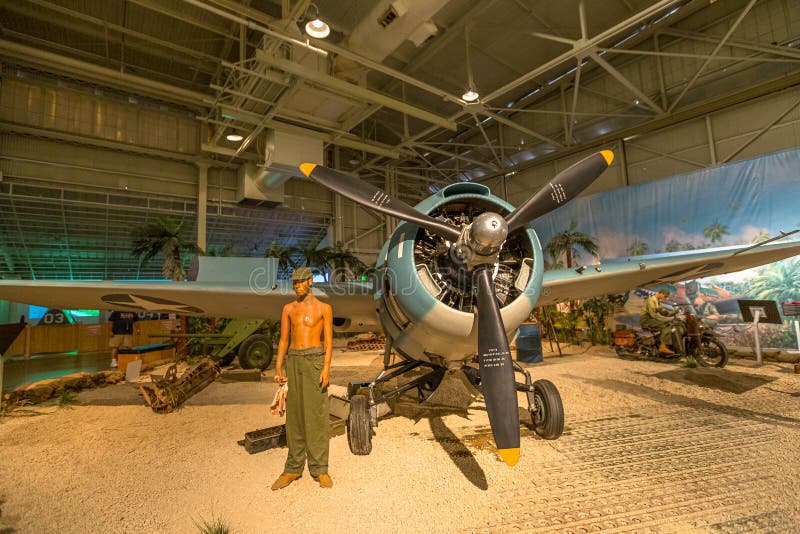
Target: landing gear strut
[[544, 402], [364, 408]]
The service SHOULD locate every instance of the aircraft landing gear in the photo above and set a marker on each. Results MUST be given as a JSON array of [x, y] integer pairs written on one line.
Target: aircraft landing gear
[[544, 402], [546, 409], [359, 429], [365, 409]]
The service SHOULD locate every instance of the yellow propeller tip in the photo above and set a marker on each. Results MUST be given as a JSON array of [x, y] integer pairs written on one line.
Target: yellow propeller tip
[[608, 156], [509, 456], [307, 168]]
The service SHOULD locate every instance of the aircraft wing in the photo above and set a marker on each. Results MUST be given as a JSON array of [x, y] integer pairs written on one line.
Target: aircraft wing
[[186, 298], [623, 274]]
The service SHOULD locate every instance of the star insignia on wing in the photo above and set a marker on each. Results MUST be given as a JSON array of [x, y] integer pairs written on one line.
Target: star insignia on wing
[[146, 303]]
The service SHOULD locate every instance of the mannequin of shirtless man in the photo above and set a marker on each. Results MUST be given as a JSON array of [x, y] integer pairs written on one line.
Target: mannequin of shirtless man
[[303, 322]]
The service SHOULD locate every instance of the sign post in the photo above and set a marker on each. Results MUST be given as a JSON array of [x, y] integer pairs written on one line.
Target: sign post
[[759, 311]]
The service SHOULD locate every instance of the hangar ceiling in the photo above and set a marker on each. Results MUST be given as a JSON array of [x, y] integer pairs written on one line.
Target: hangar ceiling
[[384, 91]]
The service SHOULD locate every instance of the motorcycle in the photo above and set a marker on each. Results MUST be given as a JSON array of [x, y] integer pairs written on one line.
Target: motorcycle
[[698, 341]]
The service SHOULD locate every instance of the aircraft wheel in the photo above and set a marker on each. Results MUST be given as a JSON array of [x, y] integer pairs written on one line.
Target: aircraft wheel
[[255, 352], [711, 353], [548, 413], [359, 431]]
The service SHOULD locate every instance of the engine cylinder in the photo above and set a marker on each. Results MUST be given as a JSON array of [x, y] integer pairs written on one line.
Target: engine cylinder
[[425, 298]]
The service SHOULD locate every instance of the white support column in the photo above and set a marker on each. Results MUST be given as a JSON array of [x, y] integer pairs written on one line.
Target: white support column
[[338, 213], [202, 199], [797, 331], [756, 319]]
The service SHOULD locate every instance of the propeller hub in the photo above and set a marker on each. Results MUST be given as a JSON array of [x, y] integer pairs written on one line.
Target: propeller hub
[[487, 233]]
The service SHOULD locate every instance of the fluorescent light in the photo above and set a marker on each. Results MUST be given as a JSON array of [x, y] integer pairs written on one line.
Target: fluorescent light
[[234, 137], [470, 96], [317, 28]]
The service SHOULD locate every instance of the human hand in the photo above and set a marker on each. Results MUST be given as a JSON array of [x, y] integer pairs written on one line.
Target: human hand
[[280, 379], [324, 378]]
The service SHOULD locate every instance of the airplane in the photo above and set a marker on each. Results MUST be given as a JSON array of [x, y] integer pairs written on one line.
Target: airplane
[[457, 276]]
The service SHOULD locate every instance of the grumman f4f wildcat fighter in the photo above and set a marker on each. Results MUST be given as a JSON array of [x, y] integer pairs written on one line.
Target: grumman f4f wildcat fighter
[[460, 273]]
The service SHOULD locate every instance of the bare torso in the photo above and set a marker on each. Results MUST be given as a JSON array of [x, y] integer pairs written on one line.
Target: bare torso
[[306, 323]]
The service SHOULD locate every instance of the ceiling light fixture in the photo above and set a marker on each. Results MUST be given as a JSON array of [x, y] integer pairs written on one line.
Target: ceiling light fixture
[[316, 27], [234, 137], [470, 96]]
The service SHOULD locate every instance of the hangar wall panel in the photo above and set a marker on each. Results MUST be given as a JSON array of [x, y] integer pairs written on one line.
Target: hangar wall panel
[[681, 148], [734, 128], [51, 161], [675, 150], [35, 102], [306, 195], [361, 230], [222, 184]]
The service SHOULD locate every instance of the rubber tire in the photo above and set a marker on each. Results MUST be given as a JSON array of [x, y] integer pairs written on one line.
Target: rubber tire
[[550, 425], [723, 360], [625, 354], [359, 430], [255, 352]]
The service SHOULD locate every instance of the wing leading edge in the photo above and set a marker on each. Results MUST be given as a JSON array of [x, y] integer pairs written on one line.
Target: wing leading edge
[[623, 274], [186, 298]]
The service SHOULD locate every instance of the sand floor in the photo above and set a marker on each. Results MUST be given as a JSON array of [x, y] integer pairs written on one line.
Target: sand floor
[[648, 447]]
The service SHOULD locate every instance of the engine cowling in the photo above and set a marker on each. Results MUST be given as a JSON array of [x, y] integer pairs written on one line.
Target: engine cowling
[[424, 289]]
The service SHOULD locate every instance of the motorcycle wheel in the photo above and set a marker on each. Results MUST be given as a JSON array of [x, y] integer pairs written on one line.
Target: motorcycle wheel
[[711, 353], [627, 353]]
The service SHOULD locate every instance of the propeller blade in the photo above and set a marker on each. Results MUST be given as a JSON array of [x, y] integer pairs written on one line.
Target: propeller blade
[[373, 198], [497, 371], [565, 186]]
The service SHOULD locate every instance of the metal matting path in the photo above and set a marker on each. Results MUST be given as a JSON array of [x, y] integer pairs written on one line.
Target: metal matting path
[[677, 465]]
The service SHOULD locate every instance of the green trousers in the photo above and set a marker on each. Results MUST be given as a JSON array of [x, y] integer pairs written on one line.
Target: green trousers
[[307, 413], [665, 328]]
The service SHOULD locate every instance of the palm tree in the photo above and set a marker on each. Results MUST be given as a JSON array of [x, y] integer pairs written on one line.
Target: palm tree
[[316, 258], [638, 247], [762, 236], [341, 259], [672, 246], [568, 242], [164, 236], [715, 231], [224, 252], [283, 254], [778, 281]]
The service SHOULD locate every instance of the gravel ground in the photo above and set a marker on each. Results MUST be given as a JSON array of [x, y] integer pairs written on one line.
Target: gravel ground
[[648, 447]]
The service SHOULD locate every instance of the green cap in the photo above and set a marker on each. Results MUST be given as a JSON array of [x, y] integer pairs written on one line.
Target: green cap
[[302, 273]]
